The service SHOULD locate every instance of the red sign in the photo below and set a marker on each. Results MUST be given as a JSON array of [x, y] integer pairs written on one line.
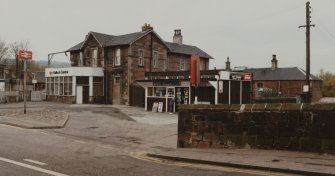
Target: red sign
[[25, 55], [195, 70], [247, 76]]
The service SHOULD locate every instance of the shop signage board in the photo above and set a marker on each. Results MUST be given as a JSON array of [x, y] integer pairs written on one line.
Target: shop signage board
[[195, 70], [220, 86]]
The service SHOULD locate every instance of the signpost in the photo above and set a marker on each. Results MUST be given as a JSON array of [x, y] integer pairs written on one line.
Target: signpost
[[25, 55]]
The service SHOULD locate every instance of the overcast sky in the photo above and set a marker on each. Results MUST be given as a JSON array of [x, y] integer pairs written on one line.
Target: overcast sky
[[249, 32]]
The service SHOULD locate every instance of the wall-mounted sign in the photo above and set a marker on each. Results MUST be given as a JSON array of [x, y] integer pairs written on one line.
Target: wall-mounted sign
[[220, 86], [58, 72], [247, 76]]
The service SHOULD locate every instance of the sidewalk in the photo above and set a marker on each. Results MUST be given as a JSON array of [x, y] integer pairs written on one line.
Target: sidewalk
[[270, 160]]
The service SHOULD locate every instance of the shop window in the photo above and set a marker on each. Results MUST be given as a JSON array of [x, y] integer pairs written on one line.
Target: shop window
[[56, 86], [155, 59], [117, 59], [52, 86], [260, 87], [61, 85], [160, 91], [140, 57], [150, 91], [170, 92]]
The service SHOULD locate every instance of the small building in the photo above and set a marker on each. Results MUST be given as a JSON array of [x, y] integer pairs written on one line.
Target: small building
[[170, 89], [283, 83]]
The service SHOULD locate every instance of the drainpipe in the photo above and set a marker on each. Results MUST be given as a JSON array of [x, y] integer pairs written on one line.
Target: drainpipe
[[151, 52], [105, 73]]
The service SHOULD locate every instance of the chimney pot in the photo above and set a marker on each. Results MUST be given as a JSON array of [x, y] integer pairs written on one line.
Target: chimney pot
[[274, 62], [177, 38]]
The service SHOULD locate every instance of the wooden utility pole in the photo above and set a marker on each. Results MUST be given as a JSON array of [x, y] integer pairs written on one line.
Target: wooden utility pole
[[308, 43]]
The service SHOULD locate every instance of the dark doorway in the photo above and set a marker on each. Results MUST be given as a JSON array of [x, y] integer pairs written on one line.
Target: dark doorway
[[86, 94]]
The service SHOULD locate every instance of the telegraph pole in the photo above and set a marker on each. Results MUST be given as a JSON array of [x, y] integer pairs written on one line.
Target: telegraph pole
[[308, 43]]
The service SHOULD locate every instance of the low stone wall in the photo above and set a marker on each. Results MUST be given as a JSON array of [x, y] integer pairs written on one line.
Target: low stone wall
[[61, 99], [299, 127]]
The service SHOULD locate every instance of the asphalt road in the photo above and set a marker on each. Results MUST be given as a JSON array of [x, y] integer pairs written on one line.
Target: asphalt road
[[97, 142]]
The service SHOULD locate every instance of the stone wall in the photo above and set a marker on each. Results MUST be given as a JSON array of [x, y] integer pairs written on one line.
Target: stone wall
[[299, 127]]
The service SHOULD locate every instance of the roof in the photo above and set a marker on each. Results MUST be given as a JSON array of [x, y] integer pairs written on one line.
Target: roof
[[187, 49], [106, 40], [280, 74]]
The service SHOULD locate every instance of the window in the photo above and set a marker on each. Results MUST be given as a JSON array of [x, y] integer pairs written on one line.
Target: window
[[155, 59], [94, 57], [80, 61], [202, 64], [61, 85], [182, 64], [260, 87], [117, 80], [140, 57], [2, 73], [117, 59], [56, 86]]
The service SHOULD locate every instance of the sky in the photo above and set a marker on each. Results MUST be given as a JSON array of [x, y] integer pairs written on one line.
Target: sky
[[248, 32]]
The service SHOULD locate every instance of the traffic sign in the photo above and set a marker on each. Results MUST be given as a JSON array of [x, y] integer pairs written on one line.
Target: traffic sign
[[28, 55]]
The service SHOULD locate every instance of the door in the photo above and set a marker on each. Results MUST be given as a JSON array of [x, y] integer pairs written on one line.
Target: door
[[79, 95]]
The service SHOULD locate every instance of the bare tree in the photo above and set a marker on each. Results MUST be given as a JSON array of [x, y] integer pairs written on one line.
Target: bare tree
[[13, 52], [3, 50]]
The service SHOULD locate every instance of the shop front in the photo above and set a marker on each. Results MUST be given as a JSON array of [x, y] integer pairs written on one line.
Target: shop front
[[78, 85], [165, 95]]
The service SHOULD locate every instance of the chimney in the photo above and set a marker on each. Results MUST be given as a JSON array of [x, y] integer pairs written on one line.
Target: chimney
[[228, 64], [274, 62], [178, 38], [147, 27]]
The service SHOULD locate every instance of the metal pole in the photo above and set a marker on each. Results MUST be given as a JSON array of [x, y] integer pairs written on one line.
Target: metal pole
[[24, 86]]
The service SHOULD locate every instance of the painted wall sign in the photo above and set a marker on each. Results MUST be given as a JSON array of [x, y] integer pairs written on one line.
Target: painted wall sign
[[220, 86]]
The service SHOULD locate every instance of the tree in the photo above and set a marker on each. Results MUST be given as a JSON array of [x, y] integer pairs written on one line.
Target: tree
[[3, 50], [328, 85], [13, 52]]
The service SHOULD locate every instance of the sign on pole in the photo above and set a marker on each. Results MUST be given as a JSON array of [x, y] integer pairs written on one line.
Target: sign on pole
[[27, 55]]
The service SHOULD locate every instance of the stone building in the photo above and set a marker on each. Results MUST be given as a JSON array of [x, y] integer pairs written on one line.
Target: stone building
[[104, 68]]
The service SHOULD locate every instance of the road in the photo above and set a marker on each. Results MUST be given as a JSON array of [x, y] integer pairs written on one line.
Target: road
[[97, 141]]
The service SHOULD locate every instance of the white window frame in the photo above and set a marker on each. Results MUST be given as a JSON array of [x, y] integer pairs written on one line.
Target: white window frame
[[117, 58], [182, 64], [81, 60], [94, 56], [141, 57], [155, 59]]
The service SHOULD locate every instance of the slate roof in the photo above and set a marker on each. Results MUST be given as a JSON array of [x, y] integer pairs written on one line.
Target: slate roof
[[187, 49], [110, 40], [280, 74]]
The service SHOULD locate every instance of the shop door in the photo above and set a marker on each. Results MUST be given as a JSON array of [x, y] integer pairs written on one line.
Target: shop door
[[79, 95], [116, 91], [181, 96]]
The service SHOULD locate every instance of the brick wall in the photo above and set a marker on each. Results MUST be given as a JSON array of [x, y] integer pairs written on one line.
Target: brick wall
[[299, 127], [290, 88]]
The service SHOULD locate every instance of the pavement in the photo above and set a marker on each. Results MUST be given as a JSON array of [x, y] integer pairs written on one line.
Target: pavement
[[289, 162]]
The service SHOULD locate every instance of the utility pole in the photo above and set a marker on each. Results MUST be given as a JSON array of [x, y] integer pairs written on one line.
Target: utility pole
[[308, 55]]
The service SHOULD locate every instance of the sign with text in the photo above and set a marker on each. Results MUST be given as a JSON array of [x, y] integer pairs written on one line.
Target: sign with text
[[27, 55], [195, 70], [247, 76], [220, 86]]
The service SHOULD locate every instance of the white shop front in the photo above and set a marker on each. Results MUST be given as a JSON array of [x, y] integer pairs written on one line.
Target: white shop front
[[74, 84]]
